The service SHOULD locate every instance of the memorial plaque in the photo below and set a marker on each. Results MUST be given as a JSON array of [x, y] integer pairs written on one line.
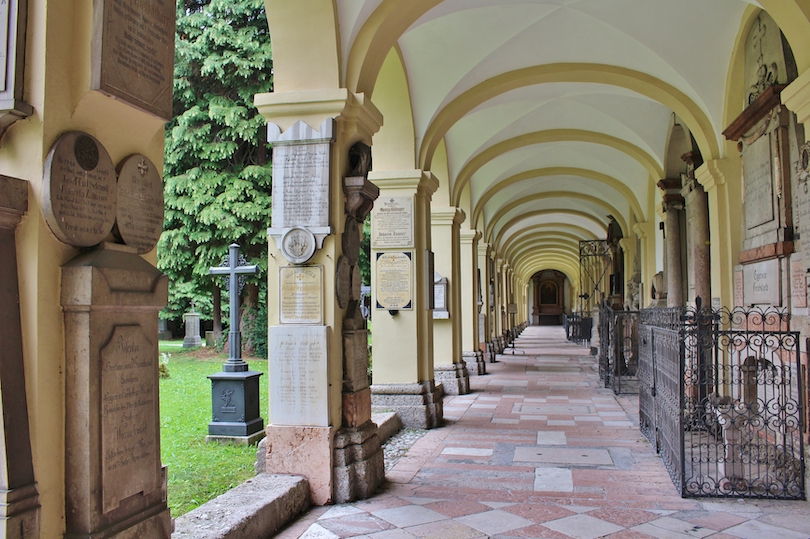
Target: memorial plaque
[[392, 223], [129, 459], [758, 179], [301, 295], [394, 281], [762, 283], [133, 53], [351, 241], [80, 193], [343, 282], [299, 376], [798, 284], [357, 284], [482, 320], [300, 185], [139, 219], [739, 289]]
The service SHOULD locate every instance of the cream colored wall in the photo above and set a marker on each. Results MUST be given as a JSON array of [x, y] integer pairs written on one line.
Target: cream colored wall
[[57, 85]]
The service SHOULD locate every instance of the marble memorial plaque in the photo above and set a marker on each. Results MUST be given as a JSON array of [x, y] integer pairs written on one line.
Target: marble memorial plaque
[[299, 377], [762, 283], [139, 219], [482, 327], [392, 223], [129, 450], [351, 241], [133, 53], [439, 300], [758, 179], [394, 281], [301, 294], [80, 193], [300, 185], [798, 284]]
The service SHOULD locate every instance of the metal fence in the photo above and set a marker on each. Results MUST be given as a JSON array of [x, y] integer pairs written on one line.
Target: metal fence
[[618, 349], [578, 328], [720, 396]]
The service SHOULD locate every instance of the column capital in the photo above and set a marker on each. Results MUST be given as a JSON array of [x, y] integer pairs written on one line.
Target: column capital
[[714, 172], [470, 236], [796, 97], [640, 229], [405, 180], [354, 112], [447, 216], [483, 248], [672, 192]]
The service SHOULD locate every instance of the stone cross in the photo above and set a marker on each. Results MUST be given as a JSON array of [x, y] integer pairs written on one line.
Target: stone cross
[[234, 363]]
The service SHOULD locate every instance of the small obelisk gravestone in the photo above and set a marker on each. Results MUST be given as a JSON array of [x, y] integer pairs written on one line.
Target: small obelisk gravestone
[[235, 390]]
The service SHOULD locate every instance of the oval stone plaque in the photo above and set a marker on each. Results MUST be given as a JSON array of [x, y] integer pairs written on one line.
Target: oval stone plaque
[[351, 241], [357, 283], [343, 282], [139, 219], [80, 196]]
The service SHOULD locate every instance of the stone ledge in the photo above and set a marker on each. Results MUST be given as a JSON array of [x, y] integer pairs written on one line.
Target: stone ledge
[[257, 508], [388, 424]]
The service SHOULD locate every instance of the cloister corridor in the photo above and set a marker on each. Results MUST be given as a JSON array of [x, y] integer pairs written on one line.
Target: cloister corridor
[[539, 449]]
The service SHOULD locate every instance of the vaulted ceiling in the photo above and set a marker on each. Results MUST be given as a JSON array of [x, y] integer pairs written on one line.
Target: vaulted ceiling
[[549, 115]]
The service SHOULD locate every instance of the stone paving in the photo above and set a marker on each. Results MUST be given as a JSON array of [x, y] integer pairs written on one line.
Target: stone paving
[[540, 450]]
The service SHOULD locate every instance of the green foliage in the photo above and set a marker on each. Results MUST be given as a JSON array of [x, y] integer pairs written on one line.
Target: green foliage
[[365, 252], [256, 329], [217, 175], [198, 471]]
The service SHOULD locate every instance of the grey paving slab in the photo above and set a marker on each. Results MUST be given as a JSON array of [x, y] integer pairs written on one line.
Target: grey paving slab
[[340, 511], [408, 515], [583, 527], [556, 409], [494, 522], [551, 437], [316, 531], [564, 455], [672, 528], [467, 451], [553, 480], [755, 529]]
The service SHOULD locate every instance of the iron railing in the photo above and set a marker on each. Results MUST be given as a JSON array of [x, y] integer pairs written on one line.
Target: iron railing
[[720, 396], [618, 349], [578, 328]]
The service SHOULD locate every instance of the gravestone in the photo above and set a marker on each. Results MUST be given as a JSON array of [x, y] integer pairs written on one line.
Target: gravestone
[[763, 283], [133, 53], [192, 321], [111, 297]]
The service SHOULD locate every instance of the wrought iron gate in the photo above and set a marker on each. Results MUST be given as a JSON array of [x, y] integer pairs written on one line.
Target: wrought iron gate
[[618, 349], [720, 397]]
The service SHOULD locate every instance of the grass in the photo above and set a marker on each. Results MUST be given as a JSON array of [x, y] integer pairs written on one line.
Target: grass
[[199, 471]]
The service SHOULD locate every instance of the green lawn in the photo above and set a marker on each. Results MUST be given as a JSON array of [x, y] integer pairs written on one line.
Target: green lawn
[[198, 471]]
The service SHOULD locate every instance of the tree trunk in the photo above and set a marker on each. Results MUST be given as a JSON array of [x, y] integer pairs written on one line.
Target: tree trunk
[[247, 317], [217, 297]]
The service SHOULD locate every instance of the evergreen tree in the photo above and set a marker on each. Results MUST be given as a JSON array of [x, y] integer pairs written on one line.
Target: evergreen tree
[[217, 172]]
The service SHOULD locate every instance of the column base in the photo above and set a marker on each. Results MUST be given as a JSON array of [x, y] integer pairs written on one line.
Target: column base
[[19, 512], [491, 352], [305, 451], [454, 378], [157, 526], [418, 405], [476, 365], [359, 466]]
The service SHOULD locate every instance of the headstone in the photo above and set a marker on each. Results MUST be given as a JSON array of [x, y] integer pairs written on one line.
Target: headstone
[[301, 295], [133, 53], [757, 167], [762, 283], [394, 281], [798, 284], [139, 218], [80, 192], [164, 333], [299, 378], [392, 223], [192, 321]]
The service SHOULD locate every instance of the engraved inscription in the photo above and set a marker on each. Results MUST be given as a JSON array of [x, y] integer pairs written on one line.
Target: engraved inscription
[[79, 203], [300, 185], [129, 459], [140, 203], [798, 285], [392, 223], [136, 60], [758, 183], [393, 281], [299, 376], [301, 295], [762, 283]]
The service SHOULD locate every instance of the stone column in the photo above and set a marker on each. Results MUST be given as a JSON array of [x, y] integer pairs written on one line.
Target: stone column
[[672, 205], [19, 499], [471, 304], [449, 368], [697, 233], [320, 406], [115, 484], [402, 340], [485, 314]]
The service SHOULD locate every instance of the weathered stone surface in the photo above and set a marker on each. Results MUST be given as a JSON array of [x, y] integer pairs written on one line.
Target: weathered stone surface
[[359, 465], [454, 378], [474, 359], [418, 405], [299, 382], [257, 508], [356, 408], [305, 451], [139, 218]]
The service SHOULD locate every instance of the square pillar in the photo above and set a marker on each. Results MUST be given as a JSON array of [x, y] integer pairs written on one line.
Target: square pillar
[[472, 302]]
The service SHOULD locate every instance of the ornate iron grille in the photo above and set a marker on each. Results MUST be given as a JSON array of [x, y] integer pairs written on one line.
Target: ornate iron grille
[[618, 349], [721, 397], [595, 258]]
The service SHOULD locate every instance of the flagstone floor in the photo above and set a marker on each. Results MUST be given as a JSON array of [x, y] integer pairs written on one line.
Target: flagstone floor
[[540, 450]]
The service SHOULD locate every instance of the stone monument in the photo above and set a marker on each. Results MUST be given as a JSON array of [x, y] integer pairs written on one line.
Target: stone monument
[[235, 390], [192, 322]]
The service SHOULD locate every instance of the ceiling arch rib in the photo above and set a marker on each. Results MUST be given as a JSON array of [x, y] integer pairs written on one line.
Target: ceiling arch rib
[[554, 217], [553, 136], [533, 237], [551, 172]]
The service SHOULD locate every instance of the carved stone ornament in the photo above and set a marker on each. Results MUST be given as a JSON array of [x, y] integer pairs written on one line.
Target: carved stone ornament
[[803, 165], [298, 245]]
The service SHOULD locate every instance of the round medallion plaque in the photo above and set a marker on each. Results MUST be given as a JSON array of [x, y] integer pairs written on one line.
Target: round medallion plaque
[[298, 245], [80, 195], [351, 240], [343, 282], [139, 219], [357, 283]]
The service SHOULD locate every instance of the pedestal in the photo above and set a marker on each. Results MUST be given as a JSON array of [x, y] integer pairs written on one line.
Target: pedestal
[[474, 359], [115, 484], [192, 339], [454, 378], [418, 405], [235, 408]]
